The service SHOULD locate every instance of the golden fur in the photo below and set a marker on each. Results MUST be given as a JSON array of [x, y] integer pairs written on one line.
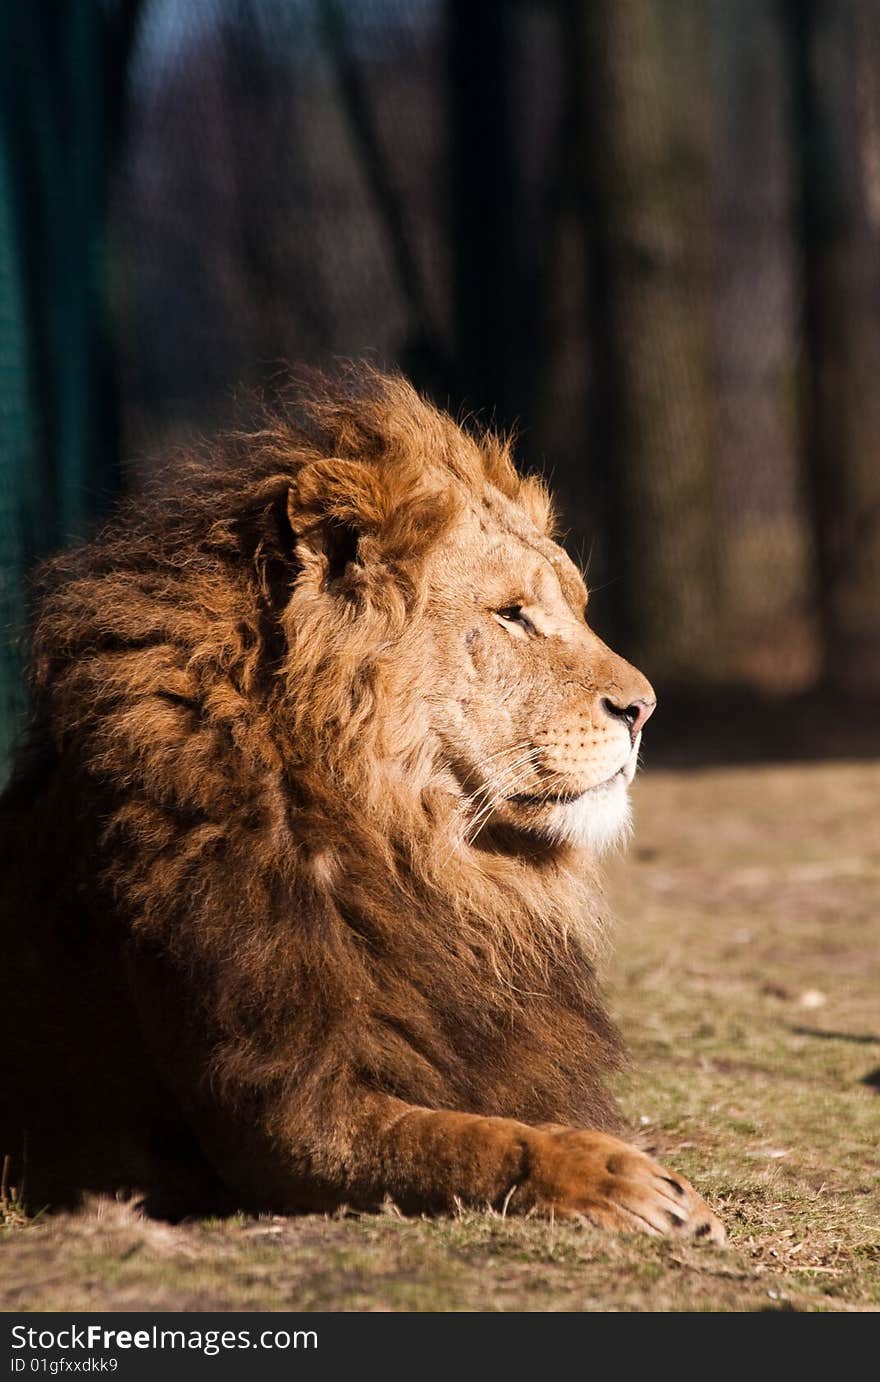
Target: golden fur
[[298, 870]]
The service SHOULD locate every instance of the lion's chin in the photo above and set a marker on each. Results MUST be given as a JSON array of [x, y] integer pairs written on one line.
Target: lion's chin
[[597, 821]]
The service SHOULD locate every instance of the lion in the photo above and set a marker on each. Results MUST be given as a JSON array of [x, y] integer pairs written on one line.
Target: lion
[[299, 864]]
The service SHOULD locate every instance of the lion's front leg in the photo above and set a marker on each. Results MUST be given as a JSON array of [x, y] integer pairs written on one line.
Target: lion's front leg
[[428, 1160]]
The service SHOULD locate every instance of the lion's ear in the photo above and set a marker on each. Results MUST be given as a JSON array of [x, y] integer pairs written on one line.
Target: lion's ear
[[348, 517], [325, 545], [329, 507], [336, 542]]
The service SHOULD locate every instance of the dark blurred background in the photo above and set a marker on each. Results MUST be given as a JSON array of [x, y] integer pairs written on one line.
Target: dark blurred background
[[645, 232]]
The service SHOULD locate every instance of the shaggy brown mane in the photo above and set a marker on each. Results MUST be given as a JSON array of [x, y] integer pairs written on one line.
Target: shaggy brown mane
[[244, 910]]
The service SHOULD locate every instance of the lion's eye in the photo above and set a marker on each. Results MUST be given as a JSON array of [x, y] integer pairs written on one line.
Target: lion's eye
[[515, 614]]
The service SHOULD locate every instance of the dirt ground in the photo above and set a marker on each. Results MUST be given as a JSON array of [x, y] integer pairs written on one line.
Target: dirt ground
[[746, 972]]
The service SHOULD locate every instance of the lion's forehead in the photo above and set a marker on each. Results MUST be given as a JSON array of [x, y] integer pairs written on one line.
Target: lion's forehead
[[497, 546]]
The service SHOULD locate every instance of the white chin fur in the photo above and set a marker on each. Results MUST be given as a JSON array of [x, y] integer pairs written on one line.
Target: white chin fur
[[597, 821]]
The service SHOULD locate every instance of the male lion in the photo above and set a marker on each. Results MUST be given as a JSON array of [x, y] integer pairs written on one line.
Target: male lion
[[298, 873]]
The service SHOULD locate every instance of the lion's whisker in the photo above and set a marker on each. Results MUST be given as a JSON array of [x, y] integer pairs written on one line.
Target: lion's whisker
[[497, 787], [504, 789], [493, 783], [483, 765], [501, 775]]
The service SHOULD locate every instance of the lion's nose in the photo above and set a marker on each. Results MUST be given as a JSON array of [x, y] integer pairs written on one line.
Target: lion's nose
[[635, 715]]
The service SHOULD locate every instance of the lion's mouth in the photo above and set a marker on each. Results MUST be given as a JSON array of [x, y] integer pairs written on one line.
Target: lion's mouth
[[546, 798], [563, 798]]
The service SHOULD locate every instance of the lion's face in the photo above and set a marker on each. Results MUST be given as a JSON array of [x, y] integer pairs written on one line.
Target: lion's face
[[440, 634], [538, 720]]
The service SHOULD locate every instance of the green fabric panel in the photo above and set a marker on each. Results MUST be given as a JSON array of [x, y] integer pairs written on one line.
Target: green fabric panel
[[58, 458], [18, 444]]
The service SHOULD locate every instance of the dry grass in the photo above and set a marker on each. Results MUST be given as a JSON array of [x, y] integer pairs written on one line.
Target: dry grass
[[12, 1210], [745, 974]]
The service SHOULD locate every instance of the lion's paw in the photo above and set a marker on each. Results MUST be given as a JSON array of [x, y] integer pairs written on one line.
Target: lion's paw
[[615, 1186]]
